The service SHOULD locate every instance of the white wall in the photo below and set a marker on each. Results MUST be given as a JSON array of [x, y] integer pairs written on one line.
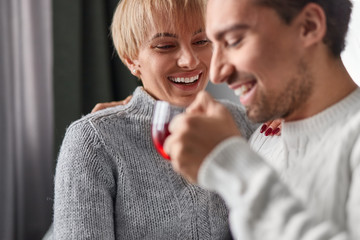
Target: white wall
[[351, 55]]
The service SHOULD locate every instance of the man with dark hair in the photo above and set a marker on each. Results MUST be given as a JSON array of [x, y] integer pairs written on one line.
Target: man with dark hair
[[337, 15], [282, 57]]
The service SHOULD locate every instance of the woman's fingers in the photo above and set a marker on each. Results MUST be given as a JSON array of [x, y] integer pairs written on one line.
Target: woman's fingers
[[272, 128]]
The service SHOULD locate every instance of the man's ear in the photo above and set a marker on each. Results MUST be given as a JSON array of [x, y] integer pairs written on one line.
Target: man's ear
[[313, 24], [133, 66]]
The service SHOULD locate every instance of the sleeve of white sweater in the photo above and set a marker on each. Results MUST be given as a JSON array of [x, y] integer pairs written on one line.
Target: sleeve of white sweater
[[261, 207], [84, 187]]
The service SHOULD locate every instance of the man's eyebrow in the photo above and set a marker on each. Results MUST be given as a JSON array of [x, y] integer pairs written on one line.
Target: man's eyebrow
[[164, 34], [235, 27]]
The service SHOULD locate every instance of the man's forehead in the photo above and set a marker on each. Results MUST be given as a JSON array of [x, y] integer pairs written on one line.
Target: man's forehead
[[228, 9], [221, 14], [236, 5]]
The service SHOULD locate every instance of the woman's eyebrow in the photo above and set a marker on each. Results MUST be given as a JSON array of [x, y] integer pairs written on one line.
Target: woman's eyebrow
[[167, 34], [198, 31], [164, 34]]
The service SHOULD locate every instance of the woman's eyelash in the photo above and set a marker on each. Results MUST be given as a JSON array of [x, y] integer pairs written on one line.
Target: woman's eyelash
[[165, 46], [204, 41], [171, 46]]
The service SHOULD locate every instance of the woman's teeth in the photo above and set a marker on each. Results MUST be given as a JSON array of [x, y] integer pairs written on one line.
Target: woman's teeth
[[245, 88], [185, 80]]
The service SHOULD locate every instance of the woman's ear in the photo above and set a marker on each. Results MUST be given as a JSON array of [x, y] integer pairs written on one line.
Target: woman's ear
[[313, 24], [133, 66]]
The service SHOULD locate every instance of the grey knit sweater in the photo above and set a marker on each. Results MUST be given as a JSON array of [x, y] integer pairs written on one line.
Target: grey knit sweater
[[111, 183]]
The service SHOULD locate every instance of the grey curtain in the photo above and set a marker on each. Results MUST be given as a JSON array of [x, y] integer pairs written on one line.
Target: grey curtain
[[56, 63], [26, 118]]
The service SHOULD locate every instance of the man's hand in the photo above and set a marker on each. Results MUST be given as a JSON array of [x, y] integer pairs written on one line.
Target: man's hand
[[101, 106], [196, 133]]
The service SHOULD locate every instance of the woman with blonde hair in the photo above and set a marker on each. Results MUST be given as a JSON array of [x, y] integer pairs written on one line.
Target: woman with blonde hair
[[110, 182]]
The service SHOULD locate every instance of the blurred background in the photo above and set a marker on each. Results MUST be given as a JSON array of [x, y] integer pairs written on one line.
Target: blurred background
[[56, 63]]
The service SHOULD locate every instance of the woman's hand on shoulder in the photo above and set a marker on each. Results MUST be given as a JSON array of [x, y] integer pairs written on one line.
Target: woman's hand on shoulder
[[272, 128]]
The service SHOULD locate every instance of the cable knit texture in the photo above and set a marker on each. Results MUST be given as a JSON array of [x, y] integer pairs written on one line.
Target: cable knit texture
[[111, 183], [308, 187]]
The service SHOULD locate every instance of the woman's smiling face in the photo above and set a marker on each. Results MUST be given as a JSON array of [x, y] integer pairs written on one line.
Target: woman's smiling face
[[173, 64]]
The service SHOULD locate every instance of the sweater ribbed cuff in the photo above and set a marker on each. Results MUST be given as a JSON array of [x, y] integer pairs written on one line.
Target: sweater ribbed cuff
[[229, 168]]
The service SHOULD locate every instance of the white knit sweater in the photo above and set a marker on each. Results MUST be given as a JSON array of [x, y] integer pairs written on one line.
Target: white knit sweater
[[307, 188]]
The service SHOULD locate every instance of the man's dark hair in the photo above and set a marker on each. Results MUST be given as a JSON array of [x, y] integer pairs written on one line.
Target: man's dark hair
[[337, 12]]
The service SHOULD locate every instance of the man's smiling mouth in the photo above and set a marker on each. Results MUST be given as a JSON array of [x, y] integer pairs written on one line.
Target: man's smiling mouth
[[244, 88]]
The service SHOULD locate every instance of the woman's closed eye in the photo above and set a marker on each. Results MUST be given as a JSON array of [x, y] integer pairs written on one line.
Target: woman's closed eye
[[165, 46], [202, 42]]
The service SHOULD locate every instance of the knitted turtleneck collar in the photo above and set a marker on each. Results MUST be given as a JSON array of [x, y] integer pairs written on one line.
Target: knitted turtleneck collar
[[316, 125], [141, 102]]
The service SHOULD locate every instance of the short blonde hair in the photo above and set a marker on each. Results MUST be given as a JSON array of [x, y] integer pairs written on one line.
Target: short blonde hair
[[133, 19]]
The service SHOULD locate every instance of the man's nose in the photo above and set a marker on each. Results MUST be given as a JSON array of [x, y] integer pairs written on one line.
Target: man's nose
[[220, 68]]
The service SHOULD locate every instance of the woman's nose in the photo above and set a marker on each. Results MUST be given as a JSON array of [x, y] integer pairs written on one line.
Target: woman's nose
[[188, 58]]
